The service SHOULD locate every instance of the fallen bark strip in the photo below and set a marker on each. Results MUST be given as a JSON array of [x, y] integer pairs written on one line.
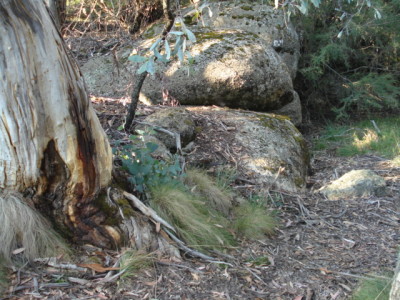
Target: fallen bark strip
[[52, 262], [147, 211], [186, 249]]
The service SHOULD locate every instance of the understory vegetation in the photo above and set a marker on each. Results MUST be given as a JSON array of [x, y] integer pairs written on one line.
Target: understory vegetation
[[349, 63], [375, 288], [205, 212], [25, 231], [380, 137], [132, 261]]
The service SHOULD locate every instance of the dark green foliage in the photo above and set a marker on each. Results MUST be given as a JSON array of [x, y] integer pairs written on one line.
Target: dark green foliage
[[144, 169], [350, 56], [372, 92]]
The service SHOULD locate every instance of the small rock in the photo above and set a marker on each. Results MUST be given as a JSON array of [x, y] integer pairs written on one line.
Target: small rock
[[355, 184]]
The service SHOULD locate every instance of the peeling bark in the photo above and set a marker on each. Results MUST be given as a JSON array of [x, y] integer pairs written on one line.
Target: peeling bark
[[52, 144], [53, 149]]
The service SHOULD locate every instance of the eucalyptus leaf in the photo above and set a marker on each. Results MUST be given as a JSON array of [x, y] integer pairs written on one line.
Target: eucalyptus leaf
[[155, 44], [184, 46], [190, 36], [137, 58], [143, 68], [167, 50], [160, 57], [176, 32], [150, 67], [180, 54]]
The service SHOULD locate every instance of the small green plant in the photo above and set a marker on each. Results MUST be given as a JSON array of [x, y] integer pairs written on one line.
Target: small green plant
[[145, 170], [197, 223], [373, 289], [132, 261], [253, 221], [259, 261]]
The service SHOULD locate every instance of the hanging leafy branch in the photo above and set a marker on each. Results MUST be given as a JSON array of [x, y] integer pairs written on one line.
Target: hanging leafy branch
[[161, 50]]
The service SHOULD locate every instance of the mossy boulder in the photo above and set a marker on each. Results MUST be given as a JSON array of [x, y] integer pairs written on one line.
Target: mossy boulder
[[273, 153], [262, 19], [232, 68]]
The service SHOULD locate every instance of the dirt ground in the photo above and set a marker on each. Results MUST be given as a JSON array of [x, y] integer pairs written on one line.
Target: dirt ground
[[320, 251]]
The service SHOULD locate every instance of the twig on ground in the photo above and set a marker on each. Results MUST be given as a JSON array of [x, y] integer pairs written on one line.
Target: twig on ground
[[170, 133], [147, 211]]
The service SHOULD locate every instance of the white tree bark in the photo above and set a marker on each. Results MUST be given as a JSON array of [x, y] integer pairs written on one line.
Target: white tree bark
[[51, 142], [57, 10], [52, 147]]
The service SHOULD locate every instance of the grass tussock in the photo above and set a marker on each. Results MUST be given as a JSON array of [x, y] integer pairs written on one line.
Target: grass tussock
[[373, 289], [23, 227], [133, 261], [363, 138], [196, 222], [253, 221], [204, 185]]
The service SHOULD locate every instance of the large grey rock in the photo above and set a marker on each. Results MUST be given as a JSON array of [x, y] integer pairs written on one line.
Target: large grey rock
[[247, 60], [266, 22], [355, 184], [232, 68], [273, 152]]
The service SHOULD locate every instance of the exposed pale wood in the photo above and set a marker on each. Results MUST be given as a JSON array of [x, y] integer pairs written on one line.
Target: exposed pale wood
[[147, 211], [52, 144]]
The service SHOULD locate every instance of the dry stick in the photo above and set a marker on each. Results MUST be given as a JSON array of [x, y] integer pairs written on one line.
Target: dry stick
[[185, 248], [256, 276], [147, 211], [170, 133], [376, 127], [139, 82]]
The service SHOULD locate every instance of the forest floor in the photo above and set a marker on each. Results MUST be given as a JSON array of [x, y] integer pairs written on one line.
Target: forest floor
[[321, 249]]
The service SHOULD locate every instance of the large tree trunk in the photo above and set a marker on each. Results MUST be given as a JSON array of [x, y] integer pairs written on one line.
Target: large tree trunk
[[52, 145], [53, 149], [57, 10]]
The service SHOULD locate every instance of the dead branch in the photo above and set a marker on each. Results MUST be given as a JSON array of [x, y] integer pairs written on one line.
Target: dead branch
[[147, 211], [175, 135]]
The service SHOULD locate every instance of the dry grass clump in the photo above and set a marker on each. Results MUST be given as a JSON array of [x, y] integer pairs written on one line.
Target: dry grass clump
[[196, 222], [23, 227], [132, 261], [253, 221], [204, 185], [3, 276]]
